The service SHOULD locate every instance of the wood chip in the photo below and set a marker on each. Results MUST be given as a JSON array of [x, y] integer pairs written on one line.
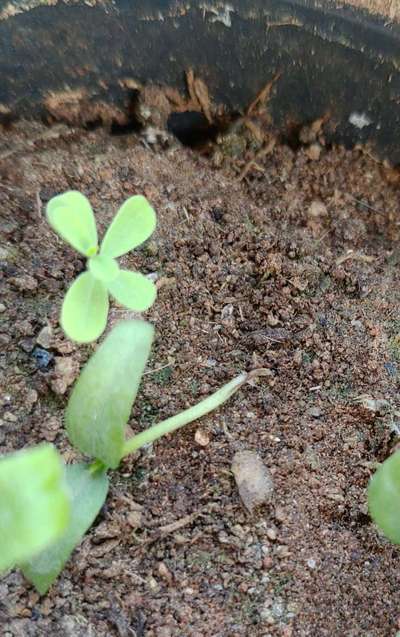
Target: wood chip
[[355, 256], [199, 95], [264, 95]]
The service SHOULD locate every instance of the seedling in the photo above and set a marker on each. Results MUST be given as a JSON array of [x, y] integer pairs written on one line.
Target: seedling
[[384, 497], [96, 417], [42, 519], [85, 307]]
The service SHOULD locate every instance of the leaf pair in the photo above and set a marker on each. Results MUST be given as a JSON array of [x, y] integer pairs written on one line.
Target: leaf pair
[[85, 307]]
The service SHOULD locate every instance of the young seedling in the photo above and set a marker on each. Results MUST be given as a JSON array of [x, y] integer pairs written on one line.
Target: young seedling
[[96, 417], [39, 525], [85, 307], [384, 497], [34, 503]]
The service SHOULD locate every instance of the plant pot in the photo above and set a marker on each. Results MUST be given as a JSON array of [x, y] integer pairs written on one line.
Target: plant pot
[[342, 63]]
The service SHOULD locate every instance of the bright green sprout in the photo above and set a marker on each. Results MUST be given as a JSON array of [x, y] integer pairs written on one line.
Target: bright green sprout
[[41, 519], [384, 497], [85, 307], [34, 503], [96, 418]]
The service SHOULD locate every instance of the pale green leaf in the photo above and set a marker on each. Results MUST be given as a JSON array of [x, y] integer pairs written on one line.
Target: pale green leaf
[[85, 309], [88, 490], [71, 216], [384, 497], [101, 401], [134, 222], [133, 290], [103, 268], [34, 503]]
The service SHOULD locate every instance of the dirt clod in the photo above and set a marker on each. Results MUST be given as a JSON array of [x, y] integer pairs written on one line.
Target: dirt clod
[[252, 478]]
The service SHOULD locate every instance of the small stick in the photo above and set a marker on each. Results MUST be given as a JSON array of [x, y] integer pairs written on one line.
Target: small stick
[[362, 203], [39, 204], [265, 150], [163, 531]]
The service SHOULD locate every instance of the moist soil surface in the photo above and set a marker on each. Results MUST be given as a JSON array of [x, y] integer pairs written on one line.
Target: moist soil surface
[[295, 268]]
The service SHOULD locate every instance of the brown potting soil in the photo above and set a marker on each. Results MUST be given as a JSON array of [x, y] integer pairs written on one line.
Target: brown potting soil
[[294, 266]]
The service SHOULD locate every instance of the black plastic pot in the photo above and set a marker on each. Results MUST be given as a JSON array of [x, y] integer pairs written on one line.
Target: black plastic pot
[[337, 61]]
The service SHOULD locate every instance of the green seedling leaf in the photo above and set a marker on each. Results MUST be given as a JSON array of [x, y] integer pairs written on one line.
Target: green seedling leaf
[[89, 490], [34, 503], [103, 268], [101, 401], [134, 222], [384, 497], [133, 290], [71, 216], [85, 309]]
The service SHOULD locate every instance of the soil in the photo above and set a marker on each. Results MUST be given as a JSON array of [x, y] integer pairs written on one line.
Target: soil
[[291, 263]]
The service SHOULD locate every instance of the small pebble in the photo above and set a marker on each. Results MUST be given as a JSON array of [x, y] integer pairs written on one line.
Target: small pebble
[[42, 357], [134, 519], [2, 308], [282, 551], [391, 368], [253, 479], [315, 412], [10, 417], [44, 337], [27, 344], [202, 437], [317, 209], [25, 282], [313, 152], [272, 320], [164, 572]]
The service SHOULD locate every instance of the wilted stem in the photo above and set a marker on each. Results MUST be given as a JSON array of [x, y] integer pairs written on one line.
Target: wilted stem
[[201, 409]]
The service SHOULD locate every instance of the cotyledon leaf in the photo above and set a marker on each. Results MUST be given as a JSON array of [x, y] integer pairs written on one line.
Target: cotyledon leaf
[[88, 490], [134, 222], [384, 497], [85, 309], [133, 290], [101, 401], [71, 216], [34, 503]]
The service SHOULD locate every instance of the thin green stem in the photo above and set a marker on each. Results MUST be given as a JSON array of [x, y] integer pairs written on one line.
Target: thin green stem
[[204, 407]]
